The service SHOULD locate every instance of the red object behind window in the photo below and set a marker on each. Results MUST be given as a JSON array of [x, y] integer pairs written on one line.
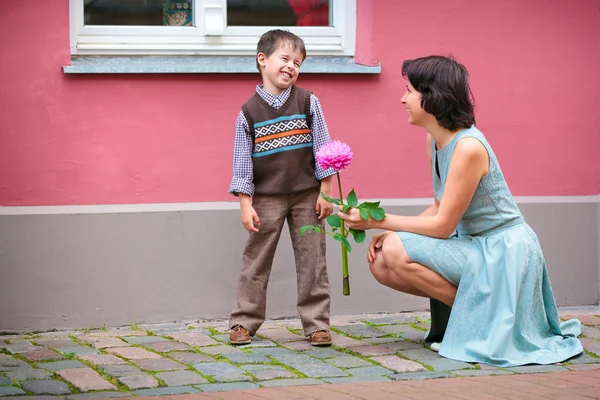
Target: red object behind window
[[311, 12]]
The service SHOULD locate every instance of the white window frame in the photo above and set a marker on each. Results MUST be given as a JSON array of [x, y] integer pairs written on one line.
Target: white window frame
[[337, 40]]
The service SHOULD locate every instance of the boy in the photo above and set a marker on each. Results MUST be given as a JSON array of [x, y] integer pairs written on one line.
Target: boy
[[275, 176]]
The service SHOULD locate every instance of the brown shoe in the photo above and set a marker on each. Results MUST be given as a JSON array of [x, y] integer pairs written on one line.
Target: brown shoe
[[239, 335], [320, 338]]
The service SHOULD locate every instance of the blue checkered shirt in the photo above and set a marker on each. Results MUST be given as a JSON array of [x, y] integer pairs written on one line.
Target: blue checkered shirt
[[242, 181]]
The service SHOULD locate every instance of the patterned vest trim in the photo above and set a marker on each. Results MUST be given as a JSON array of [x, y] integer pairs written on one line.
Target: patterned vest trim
[[282, 154]]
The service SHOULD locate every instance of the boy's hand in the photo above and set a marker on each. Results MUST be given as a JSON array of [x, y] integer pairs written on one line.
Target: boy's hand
[[323, 208], [250, 218]]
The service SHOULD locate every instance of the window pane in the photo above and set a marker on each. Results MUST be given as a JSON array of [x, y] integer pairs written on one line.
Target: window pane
[[278, 13], [138, 12]]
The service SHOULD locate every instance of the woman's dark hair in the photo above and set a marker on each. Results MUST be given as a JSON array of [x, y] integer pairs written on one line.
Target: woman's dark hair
[[271, 40], [444, 84]]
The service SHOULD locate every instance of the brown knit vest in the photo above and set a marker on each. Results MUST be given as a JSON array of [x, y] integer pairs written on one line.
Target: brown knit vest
[[282, 154]]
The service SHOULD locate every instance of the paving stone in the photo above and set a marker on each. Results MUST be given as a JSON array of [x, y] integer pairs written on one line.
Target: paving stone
[[159, 329], [194, 339], [446, 364], [46, 386], [115, 333], [220, 350], [294, 359], [398, 364], [97, 395], [583, 358], [224, 338], [587, 319], [298, 346], [120, 370], [8, 363], [384, 340], [372, 370], [280, 335], [583, 367], [361, 330], [133, 353], [419, 376], [415, 336], [536, 368], [159, 364], [421, 355], [139, 381], [323, 352], [5, 381], [222, 387], [591, 345], [59, 334], [273, 372], [78, 350], [190, 358], [480, 372], [258, 343], [20, 346], [590, 332], [181, 378], [291, 382], [28, 373], [165, 391], [102, 359], [399, 346], [345, 342], [320, 370], [371, 350], [60, 365], [41, 354], [86, 379], [222, 372], [56, 343], [245, 358], [274, 351], [10, 391], [164, 347], [358, 379], [144, 339], [104, 342], [393, 319], [400, 330], [349, 362], [486, 366]]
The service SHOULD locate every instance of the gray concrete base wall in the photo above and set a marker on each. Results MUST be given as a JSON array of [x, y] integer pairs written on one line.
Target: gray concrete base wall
[[88, 269]]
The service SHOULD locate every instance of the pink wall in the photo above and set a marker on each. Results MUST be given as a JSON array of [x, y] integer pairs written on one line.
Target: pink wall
[[100, 139]]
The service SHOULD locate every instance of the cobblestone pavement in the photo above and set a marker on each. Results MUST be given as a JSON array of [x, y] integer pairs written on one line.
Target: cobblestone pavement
[[190, 358]]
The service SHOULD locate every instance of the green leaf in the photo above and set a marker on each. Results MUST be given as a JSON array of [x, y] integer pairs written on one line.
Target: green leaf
[[334, 221], [331, 199], [346, 244], [309, 228], [377, 213], [352, 199], [364, 214], [368, 205], [359, 236], [346, 207]]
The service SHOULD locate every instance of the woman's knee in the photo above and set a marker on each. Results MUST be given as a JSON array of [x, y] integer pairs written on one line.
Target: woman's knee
[[394, 254]]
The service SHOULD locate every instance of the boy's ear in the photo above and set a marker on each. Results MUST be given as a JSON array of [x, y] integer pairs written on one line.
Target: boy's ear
[[262, 59]]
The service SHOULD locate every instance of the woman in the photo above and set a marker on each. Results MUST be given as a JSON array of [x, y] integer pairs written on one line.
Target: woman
[[491, 271]]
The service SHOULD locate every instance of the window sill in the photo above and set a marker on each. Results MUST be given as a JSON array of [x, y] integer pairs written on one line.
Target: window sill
[[205, 65]]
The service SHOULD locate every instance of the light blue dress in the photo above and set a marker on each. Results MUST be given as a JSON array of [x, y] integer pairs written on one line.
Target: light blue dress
[[504, 313]]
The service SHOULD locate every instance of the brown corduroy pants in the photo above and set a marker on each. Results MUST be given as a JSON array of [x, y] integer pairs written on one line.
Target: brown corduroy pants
[[309, 252]]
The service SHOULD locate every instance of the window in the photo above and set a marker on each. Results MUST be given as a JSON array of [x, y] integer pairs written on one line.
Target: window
[[207, 27]]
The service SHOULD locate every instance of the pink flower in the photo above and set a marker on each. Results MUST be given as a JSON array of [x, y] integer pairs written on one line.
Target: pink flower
[[335, 154]]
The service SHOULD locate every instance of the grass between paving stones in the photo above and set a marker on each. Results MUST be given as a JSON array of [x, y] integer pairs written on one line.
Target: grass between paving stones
[[413, 325], [589, 353], [349, 335]]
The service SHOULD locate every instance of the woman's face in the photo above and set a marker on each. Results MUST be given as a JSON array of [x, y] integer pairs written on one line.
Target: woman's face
[[412, 101]]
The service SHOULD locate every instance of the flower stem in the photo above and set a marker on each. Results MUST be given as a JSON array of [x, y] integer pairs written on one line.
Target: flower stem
[[345, 276]]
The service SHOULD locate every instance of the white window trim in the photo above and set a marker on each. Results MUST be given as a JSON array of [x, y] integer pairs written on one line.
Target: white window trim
[[338, 40]]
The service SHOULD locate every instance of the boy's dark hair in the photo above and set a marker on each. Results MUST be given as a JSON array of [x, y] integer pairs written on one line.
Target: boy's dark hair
[[444, 84], [271, 40]]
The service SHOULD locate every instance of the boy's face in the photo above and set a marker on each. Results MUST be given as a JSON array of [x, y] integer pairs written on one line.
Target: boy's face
[[281, 69]]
